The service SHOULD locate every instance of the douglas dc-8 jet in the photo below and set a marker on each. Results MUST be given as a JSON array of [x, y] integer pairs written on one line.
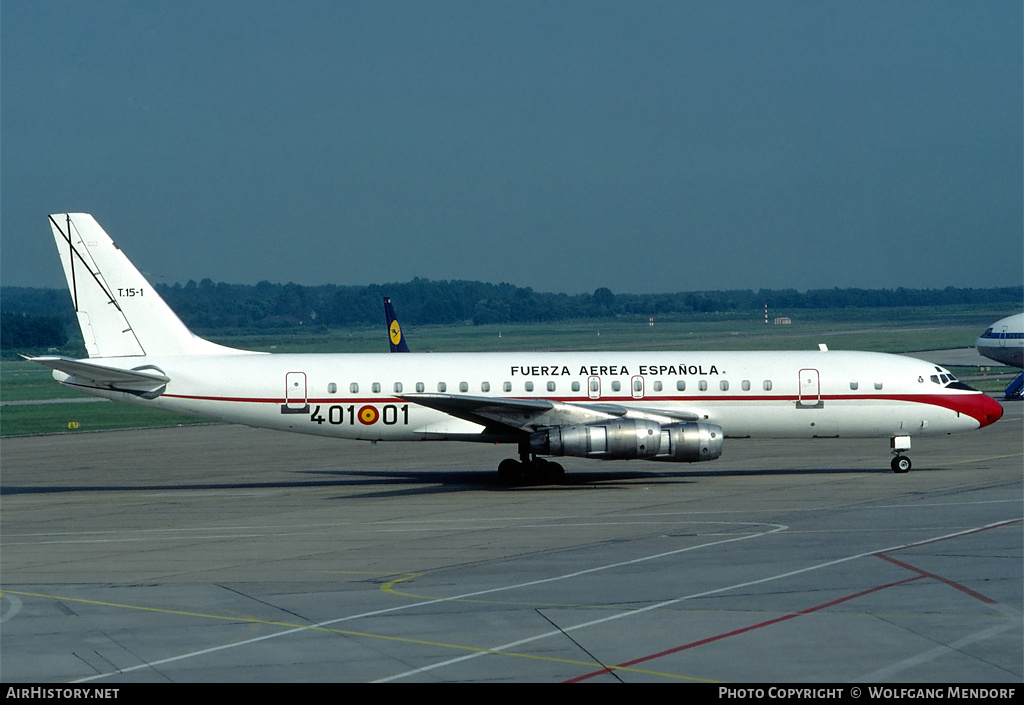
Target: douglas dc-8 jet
[[666, 406]]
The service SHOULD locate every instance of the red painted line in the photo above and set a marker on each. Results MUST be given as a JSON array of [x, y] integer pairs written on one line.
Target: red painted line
[[952, 583], [921, 574], [743, 630], [947, 581]]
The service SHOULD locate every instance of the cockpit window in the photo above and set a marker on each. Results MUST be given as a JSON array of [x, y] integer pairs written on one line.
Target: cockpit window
[[948, 380]]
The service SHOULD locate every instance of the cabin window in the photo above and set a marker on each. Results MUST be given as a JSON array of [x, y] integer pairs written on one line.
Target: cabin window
[[638, 386], [398, 387], [767, 385], [616, 386], [854, 385], [702, 385], [681, 385], [746, 385], [551, 386], [375, 387], [724, 385], [595, 386], [507, 386], [878, 385], [485, 386], [463, 386], [332, 388], [354, 388], [420, 387], [575, 386], [657, 386], [442, 387], [529, 386]]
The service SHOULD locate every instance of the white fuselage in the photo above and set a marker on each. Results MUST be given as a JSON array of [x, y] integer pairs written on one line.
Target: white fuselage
[[748, 394]]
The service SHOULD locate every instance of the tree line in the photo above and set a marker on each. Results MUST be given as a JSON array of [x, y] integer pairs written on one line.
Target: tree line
[[24, 332], [209, 306]]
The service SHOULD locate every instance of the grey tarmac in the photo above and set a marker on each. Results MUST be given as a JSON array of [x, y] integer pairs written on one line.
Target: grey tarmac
[[226, 554]]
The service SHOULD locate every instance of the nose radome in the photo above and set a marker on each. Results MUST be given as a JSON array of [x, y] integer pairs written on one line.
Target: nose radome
[[980, 407], [991, 410]]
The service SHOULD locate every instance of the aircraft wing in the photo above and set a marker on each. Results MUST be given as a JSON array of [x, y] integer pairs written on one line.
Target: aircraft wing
[[142, 381], [532, 414]]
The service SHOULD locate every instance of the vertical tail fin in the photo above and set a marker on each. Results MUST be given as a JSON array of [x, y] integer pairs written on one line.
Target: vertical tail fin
[[120, 314], [394, 330]]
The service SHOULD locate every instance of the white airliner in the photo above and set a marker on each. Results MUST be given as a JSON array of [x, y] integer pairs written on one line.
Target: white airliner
[[1003, 341], [668, 406]]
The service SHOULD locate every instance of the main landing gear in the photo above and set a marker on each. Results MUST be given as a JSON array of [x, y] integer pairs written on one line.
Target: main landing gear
[[529, 469], [900, 463]]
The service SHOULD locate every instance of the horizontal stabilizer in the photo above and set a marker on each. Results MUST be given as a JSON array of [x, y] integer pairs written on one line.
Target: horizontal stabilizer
[[148, 380]]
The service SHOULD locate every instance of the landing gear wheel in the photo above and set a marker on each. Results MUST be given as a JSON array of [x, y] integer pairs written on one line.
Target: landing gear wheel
[[900, 464], [532, 471], [510, 471], [555, 473]]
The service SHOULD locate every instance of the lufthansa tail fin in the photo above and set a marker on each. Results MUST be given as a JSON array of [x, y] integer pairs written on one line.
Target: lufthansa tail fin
[[394, 330], [120, 314]]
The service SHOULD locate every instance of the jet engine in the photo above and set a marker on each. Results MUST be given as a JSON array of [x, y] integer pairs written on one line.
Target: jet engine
[[627, 439], [690, 442]]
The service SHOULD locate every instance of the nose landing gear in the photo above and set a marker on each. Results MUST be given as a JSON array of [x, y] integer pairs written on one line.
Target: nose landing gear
[[900, 463]]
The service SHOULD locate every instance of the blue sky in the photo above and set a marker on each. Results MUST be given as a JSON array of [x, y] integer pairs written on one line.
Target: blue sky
[[565, 146]]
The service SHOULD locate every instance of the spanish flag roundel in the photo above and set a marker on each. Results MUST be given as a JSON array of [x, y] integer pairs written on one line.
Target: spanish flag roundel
[[368, 415]]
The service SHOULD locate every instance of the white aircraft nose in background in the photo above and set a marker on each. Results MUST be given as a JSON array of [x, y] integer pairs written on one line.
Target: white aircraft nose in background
[[1003, 341]]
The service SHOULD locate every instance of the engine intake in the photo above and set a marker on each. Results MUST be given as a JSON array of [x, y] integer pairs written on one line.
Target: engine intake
[[627, 439]]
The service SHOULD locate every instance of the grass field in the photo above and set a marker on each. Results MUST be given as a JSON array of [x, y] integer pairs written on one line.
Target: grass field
[[881, 330]]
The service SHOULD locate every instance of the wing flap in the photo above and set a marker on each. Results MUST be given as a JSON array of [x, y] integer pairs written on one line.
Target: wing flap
[[640, 412], [515, 414], [532, 414]]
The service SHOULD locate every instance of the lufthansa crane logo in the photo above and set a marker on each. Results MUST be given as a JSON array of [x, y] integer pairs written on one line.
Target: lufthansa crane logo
[[396, 333]]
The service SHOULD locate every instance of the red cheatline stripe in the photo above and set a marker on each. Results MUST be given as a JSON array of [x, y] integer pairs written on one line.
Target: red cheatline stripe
[[949, 401]]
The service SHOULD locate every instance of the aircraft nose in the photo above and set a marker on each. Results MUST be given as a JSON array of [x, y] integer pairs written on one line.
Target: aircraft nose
[[979, 406], [988, 410]]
